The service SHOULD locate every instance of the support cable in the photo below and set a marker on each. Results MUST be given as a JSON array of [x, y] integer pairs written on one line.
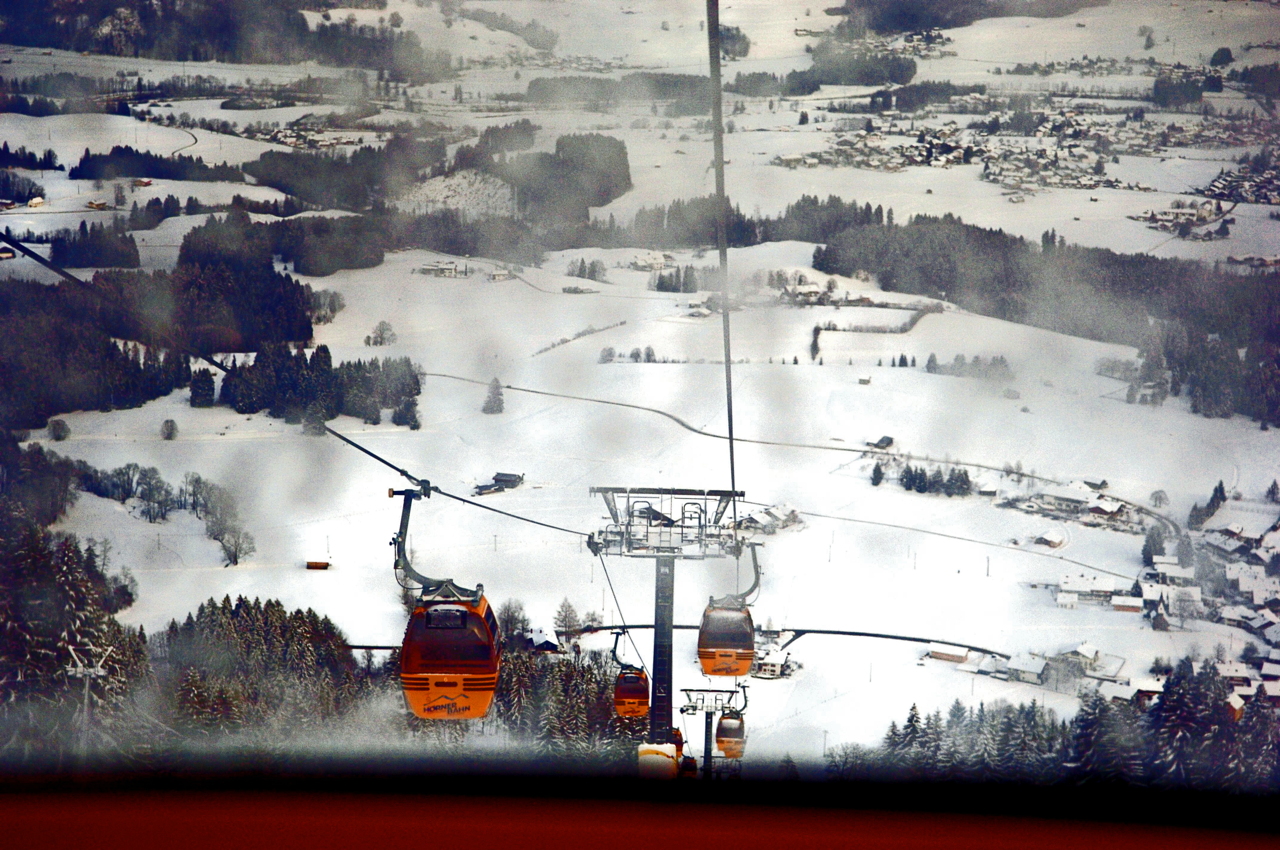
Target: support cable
[[621, 616], [722, 242], [499, 510]]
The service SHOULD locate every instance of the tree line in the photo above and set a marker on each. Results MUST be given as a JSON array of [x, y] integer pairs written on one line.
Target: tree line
[[1188, 738], [19, 189], [23, 158], [311, 390], [534, 34], [351, 182], [269, 32], [57, 356], [124, 161], [894, 16], [95, 244]]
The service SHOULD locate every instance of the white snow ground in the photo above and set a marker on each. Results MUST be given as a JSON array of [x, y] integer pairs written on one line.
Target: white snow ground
[[305, 497]]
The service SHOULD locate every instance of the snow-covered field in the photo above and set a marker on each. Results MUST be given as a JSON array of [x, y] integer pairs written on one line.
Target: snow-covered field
[[306, 497]]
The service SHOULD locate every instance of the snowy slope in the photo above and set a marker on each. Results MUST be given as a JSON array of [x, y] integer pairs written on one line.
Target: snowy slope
[[307, 497]]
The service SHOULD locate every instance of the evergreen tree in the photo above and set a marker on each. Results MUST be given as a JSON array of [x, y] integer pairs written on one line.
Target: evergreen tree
[[1258, 739], [877, 475], [493, 401]]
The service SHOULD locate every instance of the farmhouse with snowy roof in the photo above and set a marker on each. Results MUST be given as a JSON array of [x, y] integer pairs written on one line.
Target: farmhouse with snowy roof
[[1027, 668], [1246, 522]]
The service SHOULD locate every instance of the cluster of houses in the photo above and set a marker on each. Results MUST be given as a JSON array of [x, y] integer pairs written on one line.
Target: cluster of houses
[[1246, 186], [1256, 262], [1079, 501], [34, 202], [936, 147], [1085, 66], [1061, 671], [1174, 217], [1024, 170], [300, 135], [1243, 679], [1150, 138], [653, 261], [770, 520]]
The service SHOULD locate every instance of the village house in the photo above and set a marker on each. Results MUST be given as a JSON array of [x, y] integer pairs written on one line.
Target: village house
[[1027, 668], [1127, 603], [1246, 522], [1234, 615], [1053, 538], [444, 268], [1176, 576], [1085, 653], [1068, 498], [1090, 588], [1234, 672]]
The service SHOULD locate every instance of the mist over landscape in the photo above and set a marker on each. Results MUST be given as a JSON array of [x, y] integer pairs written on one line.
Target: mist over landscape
[[1003, 322]]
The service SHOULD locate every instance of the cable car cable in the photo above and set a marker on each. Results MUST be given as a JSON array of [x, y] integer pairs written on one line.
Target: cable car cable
[[722, 243], [465, 501], [621, 616]]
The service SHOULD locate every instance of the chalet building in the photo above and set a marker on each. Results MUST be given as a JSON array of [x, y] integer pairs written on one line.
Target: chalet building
[[1090, 588], [1067, 599], [1235, 673], [1244, 521], [1146, 690], [1085, 653], [1235, 615], [1127, 603], [1053, 538], [770, 520], [1027, 668], [444, 268], [1261, 620], [1103, 506], [1064, 497], [1151, 594], [1176, 576]]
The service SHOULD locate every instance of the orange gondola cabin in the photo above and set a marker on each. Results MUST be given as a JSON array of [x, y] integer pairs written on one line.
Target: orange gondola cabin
[[731, 735], [450, 656], [631, 693], [726, 639]]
